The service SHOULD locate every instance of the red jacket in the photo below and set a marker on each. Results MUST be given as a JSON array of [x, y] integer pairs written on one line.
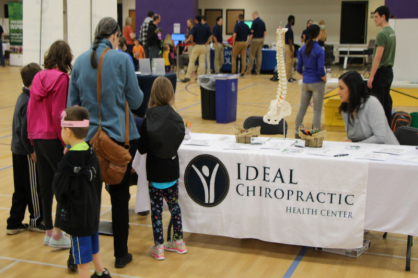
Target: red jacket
[[49, 94]]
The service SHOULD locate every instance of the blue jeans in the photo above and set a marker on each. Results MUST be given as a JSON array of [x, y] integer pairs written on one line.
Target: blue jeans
[[1, 54]]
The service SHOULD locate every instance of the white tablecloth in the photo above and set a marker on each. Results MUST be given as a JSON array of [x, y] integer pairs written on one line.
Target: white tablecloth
[[390, 204]]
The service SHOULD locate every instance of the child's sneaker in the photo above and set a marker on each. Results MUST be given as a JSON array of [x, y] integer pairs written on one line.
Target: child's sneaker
[[47, 239], [105, 274], [157, 253], [174, 247], [21, 228], [40, 228], [63, 242]]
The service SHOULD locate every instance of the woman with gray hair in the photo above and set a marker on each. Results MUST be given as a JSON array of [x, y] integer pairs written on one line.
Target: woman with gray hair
[[119, 83], [129, 35]]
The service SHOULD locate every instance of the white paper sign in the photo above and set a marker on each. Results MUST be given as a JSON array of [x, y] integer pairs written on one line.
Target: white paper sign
[[176, 28]]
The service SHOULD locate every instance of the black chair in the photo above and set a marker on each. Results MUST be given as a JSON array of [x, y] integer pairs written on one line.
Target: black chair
[[266, 129], [407, 136], [329, 55], [369, 59]]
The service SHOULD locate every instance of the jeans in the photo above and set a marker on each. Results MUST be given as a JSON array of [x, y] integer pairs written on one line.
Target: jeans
[[381, 89], [154, 52], [317, 90], [146, 52]]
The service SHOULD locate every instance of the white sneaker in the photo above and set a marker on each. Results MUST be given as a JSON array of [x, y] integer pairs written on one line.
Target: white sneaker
[[62, 243], [182, 71], [47, 239]]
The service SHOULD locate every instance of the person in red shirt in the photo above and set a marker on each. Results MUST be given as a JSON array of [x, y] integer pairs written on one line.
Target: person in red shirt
[[138, 50], [128, 34]]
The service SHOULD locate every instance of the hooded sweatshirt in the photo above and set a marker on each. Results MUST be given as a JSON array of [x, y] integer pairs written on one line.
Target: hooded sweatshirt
[[48, 99]]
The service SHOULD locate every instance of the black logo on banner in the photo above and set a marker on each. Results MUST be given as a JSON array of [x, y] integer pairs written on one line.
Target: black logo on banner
[[206, 180]]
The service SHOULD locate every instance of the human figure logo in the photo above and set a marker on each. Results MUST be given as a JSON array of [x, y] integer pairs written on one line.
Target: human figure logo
[[206, 180], [233, 87]]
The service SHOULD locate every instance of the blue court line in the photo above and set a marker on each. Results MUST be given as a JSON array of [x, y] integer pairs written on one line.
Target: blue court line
[[189, 106], [6, 168], [248, 86], [296, 262], [5, 136]]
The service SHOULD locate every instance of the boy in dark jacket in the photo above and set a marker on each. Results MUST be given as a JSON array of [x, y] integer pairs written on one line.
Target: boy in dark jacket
[[27, 192], [78, 188]]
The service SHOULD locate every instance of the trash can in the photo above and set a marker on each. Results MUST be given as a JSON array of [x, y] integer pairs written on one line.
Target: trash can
[[226, 91], [414, 119], [207, 94]]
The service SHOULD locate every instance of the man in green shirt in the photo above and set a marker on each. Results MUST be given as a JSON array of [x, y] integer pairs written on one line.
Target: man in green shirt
[[381, 75]]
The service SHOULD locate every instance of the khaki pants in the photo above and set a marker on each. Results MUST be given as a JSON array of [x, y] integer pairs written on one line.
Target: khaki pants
[[289, 61], [207, 57], [198, 51], [256, 47], [219, 57], [239, 47]]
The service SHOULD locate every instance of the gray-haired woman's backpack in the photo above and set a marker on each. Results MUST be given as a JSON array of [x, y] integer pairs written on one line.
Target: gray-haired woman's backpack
[[399, 119]]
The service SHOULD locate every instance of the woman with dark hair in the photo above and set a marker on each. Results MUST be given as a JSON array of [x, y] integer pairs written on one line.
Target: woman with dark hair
[[48, 99], [311, 67], [363, 115], [119, 83]]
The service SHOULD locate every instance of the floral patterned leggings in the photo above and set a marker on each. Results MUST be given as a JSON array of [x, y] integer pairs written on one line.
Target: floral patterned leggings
[[171, 196]]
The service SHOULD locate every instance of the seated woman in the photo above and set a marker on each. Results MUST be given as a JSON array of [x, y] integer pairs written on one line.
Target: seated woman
[[363, 115]]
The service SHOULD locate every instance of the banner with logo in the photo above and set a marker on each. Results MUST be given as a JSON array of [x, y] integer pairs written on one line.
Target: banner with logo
[[292, 199], [16, 23]]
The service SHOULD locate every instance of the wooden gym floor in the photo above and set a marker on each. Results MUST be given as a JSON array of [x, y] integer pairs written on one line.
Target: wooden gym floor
[[24, 255]]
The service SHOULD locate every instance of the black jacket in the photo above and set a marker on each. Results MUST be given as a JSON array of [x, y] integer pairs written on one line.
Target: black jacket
[[78, 188], [152, 35], [162, 132], [20, 142]]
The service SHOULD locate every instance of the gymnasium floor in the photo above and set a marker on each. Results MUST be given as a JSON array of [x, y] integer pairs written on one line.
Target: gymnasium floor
[[24, 255]]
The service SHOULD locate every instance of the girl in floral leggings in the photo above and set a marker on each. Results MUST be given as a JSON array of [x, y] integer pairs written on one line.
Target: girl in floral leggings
[[162, 132]]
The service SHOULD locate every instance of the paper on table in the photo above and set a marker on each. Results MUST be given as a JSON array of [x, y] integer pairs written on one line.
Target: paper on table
[[373, 156], [292, 150], [396, 151], [235, 147], [198, 142], [330, 153], [274, 145], [409, 158]]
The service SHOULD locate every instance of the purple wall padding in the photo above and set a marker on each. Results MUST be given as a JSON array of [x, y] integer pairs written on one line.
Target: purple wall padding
[[171, 11], [402, 8]]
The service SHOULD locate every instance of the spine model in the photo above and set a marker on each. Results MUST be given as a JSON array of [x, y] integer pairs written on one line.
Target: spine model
[[279, 108]]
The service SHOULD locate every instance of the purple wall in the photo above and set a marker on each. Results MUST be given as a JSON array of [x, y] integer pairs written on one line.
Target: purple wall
[[171, 11], [403, 8]]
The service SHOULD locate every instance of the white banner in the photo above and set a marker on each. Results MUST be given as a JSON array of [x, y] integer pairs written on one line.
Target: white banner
[[292, 199]]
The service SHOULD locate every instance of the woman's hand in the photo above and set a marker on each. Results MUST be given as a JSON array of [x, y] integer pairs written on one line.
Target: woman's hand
[[347, 140], [324, 78]]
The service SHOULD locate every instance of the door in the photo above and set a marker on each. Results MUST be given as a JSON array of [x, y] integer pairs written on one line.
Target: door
[[211, 16], [132, 16], [353, 22]]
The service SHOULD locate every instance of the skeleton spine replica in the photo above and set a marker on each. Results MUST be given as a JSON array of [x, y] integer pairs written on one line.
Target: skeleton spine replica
[[279, 108]]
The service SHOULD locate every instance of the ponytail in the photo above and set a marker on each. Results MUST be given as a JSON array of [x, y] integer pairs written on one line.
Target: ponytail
[[105, 28], [308, 47]]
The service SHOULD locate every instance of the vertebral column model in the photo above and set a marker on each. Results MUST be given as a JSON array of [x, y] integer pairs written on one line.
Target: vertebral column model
[[279, 108]]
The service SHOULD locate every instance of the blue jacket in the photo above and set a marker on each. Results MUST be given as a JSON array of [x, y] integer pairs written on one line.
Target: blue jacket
[[312, 67], [119, 82]]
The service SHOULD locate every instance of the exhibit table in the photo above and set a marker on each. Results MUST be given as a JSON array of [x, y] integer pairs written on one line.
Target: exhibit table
[[145, 82], [268, 64], [246, 191]]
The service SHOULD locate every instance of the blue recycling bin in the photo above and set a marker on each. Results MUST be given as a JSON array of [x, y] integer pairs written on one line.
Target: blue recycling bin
[[226, 97]]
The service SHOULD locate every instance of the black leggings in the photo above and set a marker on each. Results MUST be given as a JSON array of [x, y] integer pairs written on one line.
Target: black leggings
[[48, 155]]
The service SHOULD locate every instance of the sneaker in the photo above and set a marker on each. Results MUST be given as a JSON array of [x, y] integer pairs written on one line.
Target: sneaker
[[144, 213], [291, 80], [105, 274], [21, 228], [47, 239], [174, 247], [185, 80], [242, 74], [122, 262], [63, 243], [158, 254], [182, 71], [40, 228]]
